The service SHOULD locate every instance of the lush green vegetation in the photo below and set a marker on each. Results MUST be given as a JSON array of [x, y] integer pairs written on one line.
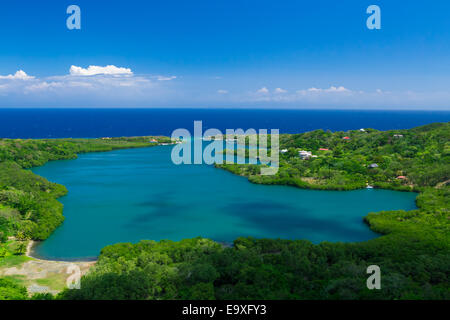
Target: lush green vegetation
[[29, 208], [413, 251], [10, 290], [419, 154], [28, 203], [32, 153], [269, 269]]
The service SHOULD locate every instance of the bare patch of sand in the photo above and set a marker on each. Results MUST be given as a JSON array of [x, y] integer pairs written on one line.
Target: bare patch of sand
[[44, 276]]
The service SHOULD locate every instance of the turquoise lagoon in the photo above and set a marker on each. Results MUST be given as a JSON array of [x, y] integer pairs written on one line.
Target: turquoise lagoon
[[136, 194]]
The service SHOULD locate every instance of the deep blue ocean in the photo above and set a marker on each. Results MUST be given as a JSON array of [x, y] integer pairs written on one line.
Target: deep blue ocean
[[91, 123]]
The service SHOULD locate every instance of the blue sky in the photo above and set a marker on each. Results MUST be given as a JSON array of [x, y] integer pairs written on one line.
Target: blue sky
[[216, 53]]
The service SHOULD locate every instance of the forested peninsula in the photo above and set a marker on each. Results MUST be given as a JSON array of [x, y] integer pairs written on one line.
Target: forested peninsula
[[413, 250]]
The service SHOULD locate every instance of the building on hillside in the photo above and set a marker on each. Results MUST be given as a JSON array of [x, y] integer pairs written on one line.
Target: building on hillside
[[401, 177], [346, 138], [304, 155], [373, 165], [284, 150], [324, 149], [398, 136]]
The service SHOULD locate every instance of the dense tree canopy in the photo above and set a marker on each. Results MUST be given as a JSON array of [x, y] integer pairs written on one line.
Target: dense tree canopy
[[9, 290], [413, 251], [419, 156]]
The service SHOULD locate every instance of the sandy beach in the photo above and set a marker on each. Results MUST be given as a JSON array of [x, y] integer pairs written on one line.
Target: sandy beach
[[45, 276]]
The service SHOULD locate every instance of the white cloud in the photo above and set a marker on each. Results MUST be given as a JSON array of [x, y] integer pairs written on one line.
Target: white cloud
[[279, 90], [319, 90], [97, 70], [94, 79], [263, 90], [99, 83], [91, 83], [342, 97], [79, 84], [334, 94], [117, 86], [43, 86], [94, 83], [337, 89], [19, 75], [164, 78]]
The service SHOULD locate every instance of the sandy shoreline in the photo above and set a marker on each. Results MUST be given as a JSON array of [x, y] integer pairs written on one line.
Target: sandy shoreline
[[45, 276], [30, 245], [30, 254]]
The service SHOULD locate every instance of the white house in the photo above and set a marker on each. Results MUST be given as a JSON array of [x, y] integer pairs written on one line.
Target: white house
[[284, 150], [304, 154]]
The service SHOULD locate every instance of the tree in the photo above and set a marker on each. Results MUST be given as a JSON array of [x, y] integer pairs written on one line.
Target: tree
[[11, 291], [21, 248]]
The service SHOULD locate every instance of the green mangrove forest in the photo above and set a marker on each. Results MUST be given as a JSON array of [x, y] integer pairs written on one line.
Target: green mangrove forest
[[413, 250]]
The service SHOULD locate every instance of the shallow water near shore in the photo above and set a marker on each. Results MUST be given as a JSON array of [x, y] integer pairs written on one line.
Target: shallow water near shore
[[137, 194]]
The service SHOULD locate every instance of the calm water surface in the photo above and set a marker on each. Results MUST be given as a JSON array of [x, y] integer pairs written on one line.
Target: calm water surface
[[130, 195], [94, 123]]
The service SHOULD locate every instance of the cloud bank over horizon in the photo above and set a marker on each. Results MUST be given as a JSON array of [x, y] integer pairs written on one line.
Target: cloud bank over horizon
[[113, 86], [91, 86]]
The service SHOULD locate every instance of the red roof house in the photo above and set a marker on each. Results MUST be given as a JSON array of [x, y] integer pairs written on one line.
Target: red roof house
[[346, 138], [401, 177], [324, 149]]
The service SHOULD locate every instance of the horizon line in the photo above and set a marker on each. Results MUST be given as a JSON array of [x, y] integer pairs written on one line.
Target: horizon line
[[442, 109]]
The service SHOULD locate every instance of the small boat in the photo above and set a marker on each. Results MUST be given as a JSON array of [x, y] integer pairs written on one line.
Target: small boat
[[369, 187]]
